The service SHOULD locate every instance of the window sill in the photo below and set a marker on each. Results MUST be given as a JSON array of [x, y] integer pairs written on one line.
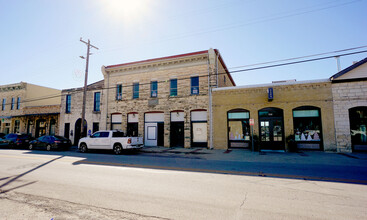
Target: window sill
[[96, 112]]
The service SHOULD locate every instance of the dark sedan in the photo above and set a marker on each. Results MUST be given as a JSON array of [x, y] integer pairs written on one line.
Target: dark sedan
[[23, 140], [15, 140], [50, 142]]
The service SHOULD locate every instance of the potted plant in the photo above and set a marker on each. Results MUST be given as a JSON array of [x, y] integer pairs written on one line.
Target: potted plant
[[291, 142]]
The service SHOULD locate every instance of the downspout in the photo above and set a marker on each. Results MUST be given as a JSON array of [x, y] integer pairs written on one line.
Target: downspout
[[106, 75], [108, 92], [210, 108]]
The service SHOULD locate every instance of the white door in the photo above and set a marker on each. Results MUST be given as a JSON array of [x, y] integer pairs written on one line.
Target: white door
[[151, 134]]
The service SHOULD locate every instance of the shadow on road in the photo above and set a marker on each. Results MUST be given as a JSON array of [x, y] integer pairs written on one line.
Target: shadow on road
[[171, 159], [11, 180]]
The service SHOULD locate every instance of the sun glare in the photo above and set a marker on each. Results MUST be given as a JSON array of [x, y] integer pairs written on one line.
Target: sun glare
[[127, 11]]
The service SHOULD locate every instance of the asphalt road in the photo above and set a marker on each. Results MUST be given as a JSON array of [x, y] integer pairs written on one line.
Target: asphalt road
[[70, 185]]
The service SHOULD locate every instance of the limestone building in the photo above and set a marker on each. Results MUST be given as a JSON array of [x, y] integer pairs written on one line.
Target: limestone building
[[349, 88], [301, 110], [71, 111], [28, 108], [165, 100]]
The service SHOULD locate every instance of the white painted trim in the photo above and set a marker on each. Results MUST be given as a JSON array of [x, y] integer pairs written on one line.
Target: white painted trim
[[272, 84]]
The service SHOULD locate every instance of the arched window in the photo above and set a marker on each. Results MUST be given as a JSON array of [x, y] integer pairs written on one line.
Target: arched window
[[307, 127], [238, 128], [358, 128]]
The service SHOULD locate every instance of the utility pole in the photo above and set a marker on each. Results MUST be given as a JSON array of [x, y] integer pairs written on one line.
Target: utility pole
[[85, 82], [338, 63]]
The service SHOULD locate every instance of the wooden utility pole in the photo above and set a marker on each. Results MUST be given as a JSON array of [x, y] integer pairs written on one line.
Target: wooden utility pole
[[85, 83]]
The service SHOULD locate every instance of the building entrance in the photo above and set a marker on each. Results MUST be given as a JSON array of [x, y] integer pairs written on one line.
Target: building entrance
[[271, 129], [154, 129]]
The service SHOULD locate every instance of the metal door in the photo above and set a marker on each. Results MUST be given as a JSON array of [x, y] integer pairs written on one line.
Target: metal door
[[151, 134]]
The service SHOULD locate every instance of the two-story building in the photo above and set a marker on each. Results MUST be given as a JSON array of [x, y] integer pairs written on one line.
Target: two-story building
[[166, 100], [71, 111], [28, 108]]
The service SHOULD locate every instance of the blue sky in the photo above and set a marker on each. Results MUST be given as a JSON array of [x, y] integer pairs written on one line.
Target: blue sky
[[40, 38]]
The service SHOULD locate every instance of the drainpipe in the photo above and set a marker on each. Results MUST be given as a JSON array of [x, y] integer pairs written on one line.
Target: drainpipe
[[210, 106], [106, 75]]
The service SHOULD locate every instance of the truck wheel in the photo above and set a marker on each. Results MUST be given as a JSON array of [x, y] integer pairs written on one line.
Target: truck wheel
[[117, 149], [83, 148]]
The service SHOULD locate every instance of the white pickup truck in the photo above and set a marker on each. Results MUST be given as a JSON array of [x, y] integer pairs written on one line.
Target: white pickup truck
[[109, 140]]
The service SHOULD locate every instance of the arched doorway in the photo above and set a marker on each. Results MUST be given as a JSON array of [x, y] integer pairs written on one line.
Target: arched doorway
[[177, 128], [40, 128], [78, 130], [271, 129], [358, 128]]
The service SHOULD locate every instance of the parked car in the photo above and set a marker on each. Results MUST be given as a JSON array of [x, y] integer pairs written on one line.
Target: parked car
[[110, 140], [50, 142], [23, 140], [15, 140], [2, 135]]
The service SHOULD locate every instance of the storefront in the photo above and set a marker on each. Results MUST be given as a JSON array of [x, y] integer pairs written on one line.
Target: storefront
[[199, 130], [238, 128], [287, 115], [154, 129], [307, 128], [358, 128]]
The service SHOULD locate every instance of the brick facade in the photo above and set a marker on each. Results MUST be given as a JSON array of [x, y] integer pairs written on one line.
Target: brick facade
[[287, 96]]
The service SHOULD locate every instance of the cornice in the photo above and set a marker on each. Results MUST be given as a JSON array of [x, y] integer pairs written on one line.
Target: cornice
[[159, 65]]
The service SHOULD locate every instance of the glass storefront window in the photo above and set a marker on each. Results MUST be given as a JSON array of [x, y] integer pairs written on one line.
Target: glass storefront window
[[307, 124], [238, 128], [358, 125]]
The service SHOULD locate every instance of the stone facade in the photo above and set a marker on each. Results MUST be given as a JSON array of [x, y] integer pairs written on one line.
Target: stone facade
[[75, 114], [287, 97], [349, 89], [26, 111], [164, 106]]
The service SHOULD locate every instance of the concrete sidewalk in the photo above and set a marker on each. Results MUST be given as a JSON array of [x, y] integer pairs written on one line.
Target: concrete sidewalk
[[242, 155]]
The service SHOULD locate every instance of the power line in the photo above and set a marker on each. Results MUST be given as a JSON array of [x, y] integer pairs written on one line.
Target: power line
[[297, 58], [296, 62]]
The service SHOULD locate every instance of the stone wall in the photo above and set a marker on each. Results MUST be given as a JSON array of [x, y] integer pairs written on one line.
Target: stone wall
[[76, 110], [346, 95], [163, 103]]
